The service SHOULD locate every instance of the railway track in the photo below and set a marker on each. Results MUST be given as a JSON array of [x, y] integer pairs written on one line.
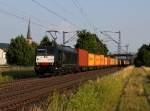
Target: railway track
[[16, 94]]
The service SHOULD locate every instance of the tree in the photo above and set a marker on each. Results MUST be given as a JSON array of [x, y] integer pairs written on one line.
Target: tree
[[90, 42], [143, 56], [45, 41], [20, 52]]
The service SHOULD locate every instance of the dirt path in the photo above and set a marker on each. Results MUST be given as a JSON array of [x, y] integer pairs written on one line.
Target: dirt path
[[134, 97]]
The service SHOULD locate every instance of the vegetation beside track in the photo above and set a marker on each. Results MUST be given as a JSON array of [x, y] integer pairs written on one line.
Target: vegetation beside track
[[134, 96], [126, 90], [9, 73], [101, 95]]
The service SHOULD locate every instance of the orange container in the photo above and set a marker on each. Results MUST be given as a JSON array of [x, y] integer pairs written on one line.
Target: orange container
[[97, 60], [105, 61], [115, 61], [108, 61], [91, 59], [124, 62], [102, 60], [82, 57], [111, 61]]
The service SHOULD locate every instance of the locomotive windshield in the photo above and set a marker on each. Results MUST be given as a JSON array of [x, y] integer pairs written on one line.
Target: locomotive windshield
[[49, 51], [41, 52]]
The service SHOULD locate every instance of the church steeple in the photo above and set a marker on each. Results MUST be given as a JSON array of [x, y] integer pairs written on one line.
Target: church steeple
[[29, 38]]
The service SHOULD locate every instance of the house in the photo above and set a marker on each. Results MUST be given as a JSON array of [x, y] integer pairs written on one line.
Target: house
[[3, 49]]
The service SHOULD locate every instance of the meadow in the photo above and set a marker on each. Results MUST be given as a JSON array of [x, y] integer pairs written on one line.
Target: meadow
[[10, 73]]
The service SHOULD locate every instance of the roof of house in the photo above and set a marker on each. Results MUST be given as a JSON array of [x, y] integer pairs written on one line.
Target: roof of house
[[4, 45]]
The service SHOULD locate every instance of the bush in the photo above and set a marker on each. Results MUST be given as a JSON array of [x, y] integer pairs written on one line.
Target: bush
[[143, 56], [20, 52]]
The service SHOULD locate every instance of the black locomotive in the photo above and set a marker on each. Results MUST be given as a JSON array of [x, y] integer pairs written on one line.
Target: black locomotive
[[58, 59]]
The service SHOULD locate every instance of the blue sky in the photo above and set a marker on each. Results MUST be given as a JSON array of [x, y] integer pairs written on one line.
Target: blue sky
[[131, 17]]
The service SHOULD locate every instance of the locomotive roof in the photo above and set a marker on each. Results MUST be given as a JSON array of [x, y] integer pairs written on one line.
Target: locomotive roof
[[69, 49], [65, 48]]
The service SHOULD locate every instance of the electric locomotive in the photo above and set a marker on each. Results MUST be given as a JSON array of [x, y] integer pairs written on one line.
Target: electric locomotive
[[55, 59]]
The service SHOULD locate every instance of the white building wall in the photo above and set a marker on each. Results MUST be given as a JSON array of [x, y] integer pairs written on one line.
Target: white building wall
[[3, 60]]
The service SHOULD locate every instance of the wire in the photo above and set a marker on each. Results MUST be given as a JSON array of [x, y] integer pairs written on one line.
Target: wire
[[82, 12], [23, 13], [62, 7], [72, 38], [21, 18], [54, 13]]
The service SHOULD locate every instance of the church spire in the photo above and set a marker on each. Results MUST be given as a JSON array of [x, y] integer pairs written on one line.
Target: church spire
[[29, 31], [29, 38]]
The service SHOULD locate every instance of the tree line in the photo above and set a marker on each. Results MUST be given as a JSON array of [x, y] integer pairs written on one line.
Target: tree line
[[143, 56], [20, 52]]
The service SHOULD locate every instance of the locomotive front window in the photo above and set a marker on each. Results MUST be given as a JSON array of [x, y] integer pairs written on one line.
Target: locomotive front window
[[41, 52]]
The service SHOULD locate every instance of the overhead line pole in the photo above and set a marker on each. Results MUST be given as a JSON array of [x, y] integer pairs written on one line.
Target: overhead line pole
[[64, 37], [119, 40]]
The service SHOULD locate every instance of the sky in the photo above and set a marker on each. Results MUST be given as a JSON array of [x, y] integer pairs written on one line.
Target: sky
[[131, 17]]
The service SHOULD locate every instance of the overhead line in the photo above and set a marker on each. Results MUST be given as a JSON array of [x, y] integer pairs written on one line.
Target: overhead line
[[63, 8], [82, 12], [23, 12], [54, 13], [21, 18]]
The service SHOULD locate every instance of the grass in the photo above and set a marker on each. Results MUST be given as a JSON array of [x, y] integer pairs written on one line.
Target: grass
[[9, 73], [133, 98], [126, 90], [19, 74], [100, 95], [147, 85], [4, 79]]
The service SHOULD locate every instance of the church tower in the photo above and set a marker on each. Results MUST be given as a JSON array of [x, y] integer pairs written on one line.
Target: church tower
[[29, 38]]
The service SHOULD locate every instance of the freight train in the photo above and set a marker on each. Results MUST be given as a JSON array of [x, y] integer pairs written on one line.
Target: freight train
[[64, 59]]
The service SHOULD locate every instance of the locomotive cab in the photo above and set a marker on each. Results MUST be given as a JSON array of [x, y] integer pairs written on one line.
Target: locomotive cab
[[55, 59], [46, 60]]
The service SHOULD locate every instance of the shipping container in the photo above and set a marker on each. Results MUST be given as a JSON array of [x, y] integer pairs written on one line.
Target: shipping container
[[105, 63], [111, 61], [108, 61], [102, 61], [82, 57], [97, 60], [115, 61], [90, 59], [124, 62]]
